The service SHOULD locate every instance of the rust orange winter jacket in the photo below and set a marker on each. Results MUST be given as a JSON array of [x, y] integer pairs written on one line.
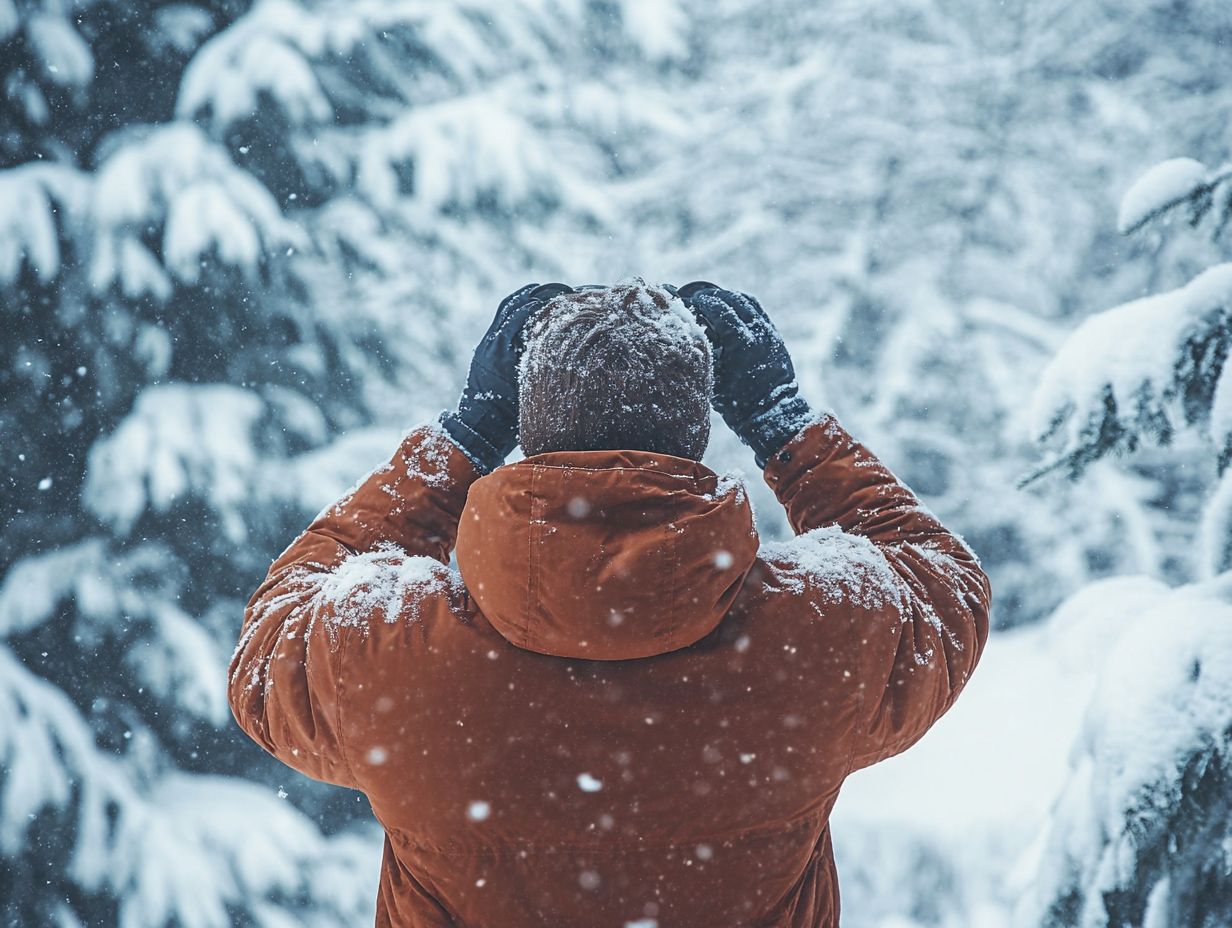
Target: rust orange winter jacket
[[617, 710]]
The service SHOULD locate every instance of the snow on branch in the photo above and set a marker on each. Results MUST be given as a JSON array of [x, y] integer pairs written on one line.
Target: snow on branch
[[1171, 185], [1144, 803], [47, 56], [266, 52], [187, 850], [657, 27], [128, 596], [159, 205], [48, 759], [180, 441], [173, 178], [35, 586], [204, 845], [1215, 529], [460, 152], [181, 664], [65, 56], [10, 21], [1137, 373], [39, 204], [278, 50], [606, 110]]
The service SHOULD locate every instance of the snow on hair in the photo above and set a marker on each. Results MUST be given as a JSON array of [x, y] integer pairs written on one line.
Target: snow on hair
[[624, 367]]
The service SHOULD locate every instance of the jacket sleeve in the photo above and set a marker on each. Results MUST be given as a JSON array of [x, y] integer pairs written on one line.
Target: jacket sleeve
[[286, 676], [911, 659]]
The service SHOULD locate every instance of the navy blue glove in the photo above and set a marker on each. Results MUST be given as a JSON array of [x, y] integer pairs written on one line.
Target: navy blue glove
[[485, 424], [755, 388]]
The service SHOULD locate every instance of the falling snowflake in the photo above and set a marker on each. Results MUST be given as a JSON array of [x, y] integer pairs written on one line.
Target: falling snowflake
[[588, 784]]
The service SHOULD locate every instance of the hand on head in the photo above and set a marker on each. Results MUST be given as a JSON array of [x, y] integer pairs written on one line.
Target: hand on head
[[485, 424], [755, 388]]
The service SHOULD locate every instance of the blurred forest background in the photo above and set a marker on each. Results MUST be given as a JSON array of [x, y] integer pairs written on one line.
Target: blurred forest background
[[244, 246]]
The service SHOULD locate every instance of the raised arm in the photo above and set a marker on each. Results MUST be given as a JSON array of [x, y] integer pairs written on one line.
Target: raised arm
[[362, 558], [912, 657], [348, 566]]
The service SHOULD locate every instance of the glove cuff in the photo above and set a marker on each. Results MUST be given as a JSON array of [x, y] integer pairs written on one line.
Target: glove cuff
[[482, 453], [766, 432]]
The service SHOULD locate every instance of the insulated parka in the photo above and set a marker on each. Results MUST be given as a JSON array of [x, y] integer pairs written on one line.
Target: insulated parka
[[619, 709]]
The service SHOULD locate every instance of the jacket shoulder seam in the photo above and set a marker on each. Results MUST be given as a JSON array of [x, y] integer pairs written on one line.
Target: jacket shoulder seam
[[338, 701], [858, 735]]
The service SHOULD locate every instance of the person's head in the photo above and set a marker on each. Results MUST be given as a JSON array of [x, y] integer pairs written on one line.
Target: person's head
[[626, 367]]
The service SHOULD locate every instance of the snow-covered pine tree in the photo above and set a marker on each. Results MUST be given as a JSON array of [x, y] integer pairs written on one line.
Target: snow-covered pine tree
[[1141, 832], [1137, 373], [228, 235]]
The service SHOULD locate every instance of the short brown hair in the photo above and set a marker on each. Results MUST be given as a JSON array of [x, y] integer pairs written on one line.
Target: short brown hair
[[625, 367]]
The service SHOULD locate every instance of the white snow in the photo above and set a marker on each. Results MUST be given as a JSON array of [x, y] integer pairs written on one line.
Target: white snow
[[673, 143], [589, 880], [173, 654], [9, 20], [462, 151], [175, 178], [385, 583], [35, 199], [181, 663], [180, 441], [1164, 185], [1215, 531], [1219, 426], [46, 748], [428, 460], [658, 27], [188, 852], [1165, 695], [259, 55], [728, 482], [279, 48], [178, 849], [1157, 914], [588, 784], [678, 325], [837, 566], [33, 587], [1131, 350], [376, 756], [60, 49]]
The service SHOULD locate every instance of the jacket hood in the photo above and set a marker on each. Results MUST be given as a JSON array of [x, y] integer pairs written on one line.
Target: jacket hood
[[606, 555]]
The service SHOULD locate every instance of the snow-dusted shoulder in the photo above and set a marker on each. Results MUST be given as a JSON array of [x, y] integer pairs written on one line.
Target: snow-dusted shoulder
[[835, 567], [909, 598], [375, 558], [382, 585]]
